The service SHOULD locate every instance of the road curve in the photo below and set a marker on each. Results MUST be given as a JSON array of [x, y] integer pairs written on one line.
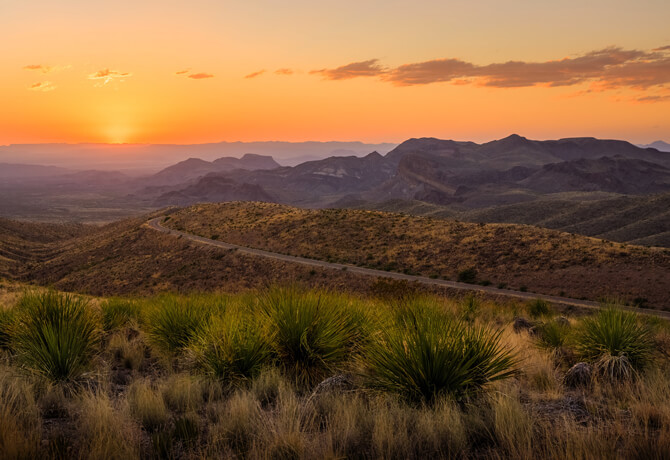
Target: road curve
[[157, 225]]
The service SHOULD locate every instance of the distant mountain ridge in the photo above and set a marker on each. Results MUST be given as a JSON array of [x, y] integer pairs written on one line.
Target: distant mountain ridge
[[505, 171]]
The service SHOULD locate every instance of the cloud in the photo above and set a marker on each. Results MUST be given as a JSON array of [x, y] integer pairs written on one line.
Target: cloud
[[369, 68], [255, 74], [200, 76], [284, 72], [604, 69], [106, 76], [182, 72], [43, 86], [654, 98], [45, 68]]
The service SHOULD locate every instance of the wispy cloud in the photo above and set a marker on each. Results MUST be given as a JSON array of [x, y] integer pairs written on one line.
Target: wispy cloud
[[255, 74], [43, 86], [106, 76], [200, 76], [369, 68], [182, 72], [607, 68], [284, 71], [45, 68]]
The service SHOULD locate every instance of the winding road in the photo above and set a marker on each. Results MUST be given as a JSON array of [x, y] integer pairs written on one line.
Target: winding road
[[156, 224]]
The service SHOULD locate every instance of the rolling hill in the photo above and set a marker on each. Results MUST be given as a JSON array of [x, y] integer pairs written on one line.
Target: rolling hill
[[517, 256]]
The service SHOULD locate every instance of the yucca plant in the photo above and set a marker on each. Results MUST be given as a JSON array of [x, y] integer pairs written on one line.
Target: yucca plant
[[616, 342], [173, 322], [118, 313], [232, 349], [311, 333], [56, 335], [429, 355]]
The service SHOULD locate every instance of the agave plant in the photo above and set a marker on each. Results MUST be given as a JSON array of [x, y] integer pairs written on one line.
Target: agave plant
[[616, 342], [56, 335], [428, 355]]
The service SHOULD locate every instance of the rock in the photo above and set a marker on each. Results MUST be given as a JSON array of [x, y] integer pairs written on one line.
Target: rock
[[562, 321], [579, 375], [521, 323], [335, 384]]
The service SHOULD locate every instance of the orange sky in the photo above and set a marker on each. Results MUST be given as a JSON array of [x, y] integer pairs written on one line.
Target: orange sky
[[174, 72]]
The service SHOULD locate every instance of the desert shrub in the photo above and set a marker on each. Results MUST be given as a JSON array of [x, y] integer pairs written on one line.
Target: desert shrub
[[553, 335], [233, 349], [118, 313], [429, 355], [56, 335], [311, 333], [468, 275], [616, 342], [7, 318], [538, 308], [174, 322]]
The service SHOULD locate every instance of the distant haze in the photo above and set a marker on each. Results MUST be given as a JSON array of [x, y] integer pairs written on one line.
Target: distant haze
[[146, 157]]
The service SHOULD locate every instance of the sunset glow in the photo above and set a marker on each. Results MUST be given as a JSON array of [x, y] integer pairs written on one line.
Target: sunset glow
[[206, 71]]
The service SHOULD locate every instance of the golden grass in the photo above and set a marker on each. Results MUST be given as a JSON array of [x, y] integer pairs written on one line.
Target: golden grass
[[169, 409]]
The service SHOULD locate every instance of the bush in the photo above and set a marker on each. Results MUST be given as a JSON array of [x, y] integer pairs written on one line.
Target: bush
[[469, 275], [616, 342], [552, 335], [430, 355], [118, 313], [174, 322], [233, 349], [311, 333], [538, 308], [56, 335]]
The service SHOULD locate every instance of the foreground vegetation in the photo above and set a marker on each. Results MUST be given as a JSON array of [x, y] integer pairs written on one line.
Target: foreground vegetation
[[293, 373]]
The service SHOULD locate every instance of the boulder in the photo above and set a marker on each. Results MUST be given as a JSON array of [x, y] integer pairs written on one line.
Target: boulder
[[579, 375], [521, 323]]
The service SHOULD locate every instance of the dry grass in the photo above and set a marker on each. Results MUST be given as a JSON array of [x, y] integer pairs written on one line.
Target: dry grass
[[171, 409]]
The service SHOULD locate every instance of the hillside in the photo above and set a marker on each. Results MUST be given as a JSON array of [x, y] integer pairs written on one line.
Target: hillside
[[641, 220], [516, 256]]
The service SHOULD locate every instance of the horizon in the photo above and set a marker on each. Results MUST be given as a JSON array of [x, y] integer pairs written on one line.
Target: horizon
[[184, 74]]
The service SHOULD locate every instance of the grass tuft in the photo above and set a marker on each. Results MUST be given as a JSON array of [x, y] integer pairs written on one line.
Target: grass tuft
[[118, 313], [175, 322], [233, 349]]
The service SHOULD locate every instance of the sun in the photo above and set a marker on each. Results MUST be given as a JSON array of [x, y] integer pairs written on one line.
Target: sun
[[118, 134]]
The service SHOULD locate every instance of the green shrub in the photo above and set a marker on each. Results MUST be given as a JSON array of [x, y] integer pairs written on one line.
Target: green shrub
[[469, 275], [174, 322], [118, 313], [616, 342], [233, 349], [311, 333], [470, 308], [428, 355], [56, 335], [553, 335], [538, 308]]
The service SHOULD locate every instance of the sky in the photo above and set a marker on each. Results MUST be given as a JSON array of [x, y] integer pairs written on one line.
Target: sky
[[197, 71]]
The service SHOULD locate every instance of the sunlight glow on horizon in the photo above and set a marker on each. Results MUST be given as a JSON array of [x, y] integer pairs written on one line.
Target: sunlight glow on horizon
[[79, 72]]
